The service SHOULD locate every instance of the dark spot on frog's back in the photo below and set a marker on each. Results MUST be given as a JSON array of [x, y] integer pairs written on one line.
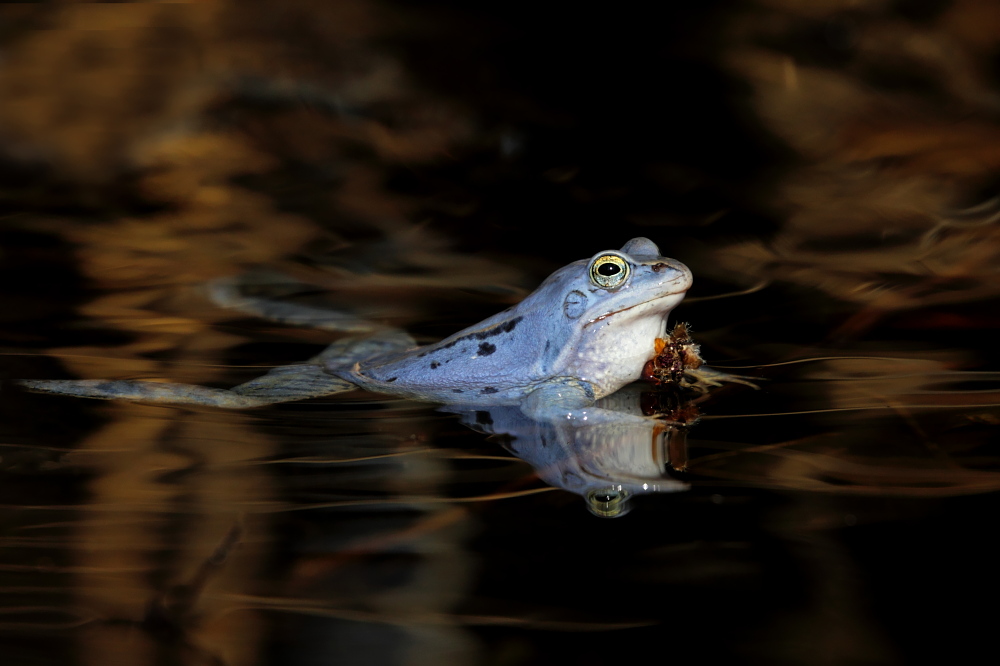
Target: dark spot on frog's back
[[435, 365], [499, 329], [485, 349], [509, 326], [488, 391]]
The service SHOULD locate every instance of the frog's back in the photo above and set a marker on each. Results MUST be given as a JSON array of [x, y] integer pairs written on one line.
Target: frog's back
[[498, 361]]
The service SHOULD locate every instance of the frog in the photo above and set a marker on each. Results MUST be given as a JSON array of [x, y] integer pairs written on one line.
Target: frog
[[586, 331]]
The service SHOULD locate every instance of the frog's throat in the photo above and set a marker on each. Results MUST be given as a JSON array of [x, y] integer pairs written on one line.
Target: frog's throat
[[613, 313]]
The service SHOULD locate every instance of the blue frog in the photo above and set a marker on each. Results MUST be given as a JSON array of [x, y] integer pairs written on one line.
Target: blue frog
[[585, 332]]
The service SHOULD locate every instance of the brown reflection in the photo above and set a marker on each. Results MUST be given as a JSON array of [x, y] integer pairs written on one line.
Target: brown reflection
[[890, 205], [173, 520], [144, 108], [881, 426]]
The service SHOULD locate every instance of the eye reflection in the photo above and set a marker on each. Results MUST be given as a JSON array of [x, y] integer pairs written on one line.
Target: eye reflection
[[608, 502]]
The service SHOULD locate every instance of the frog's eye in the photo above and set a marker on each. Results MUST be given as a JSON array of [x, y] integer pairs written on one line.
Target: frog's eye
[[609, 271]]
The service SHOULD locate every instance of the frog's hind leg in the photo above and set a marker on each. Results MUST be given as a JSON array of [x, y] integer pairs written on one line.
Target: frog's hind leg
[[282, 384], [231, 293], [371, 339]]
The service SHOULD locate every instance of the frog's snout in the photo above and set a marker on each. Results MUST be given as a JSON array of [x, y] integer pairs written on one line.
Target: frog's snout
[[676, 273]]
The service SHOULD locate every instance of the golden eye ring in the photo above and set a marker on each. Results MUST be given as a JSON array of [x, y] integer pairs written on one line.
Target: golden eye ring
[[609, 271]]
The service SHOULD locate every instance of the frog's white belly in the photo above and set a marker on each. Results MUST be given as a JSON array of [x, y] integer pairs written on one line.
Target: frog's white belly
[[612, 353]]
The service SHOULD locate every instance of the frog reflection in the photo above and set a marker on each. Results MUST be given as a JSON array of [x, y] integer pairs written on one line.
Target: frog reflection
[[607, 462]]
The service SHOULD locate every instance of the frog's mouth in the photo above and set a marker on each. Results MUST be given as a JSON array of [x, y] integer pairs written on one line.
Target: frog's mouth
[[632, 307]]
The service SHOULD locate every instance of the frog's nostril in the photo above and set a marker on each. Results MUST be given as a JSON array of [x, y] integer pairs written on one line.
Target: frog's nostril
[[659, 267]]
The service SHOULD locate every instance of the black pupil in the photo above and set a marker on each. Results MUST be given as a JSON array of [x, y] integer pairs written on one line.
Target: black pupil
[[609, 269]]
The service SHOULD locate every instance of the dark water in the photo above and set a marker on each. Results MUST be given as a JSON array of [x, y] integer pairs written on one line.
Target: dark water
[[828, 173]]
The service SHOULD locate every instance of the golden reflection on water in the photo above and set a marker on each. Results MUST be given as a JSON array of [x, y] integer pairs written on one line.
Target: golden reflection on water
[[166, 492]]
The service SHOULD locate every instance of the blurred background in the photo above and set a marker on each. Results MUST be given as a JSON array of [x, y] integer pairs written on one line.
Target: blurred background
[[830, 171]]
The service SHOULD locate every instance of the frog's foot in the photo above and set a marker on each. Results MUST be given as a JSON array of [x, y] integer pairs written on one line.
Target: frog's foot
[[704, 378], [283, 384], [231, 293]]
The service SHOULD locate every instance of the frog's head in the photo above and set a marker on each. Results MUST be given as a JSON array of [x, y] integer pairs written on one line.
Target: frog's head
[[633, 278], [611, 308], [622, 285]]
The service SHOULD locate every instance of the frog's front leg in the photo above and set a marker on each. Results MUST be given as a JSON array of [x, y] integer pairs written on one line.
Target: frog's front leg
[[282, 384], [571, 401]]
